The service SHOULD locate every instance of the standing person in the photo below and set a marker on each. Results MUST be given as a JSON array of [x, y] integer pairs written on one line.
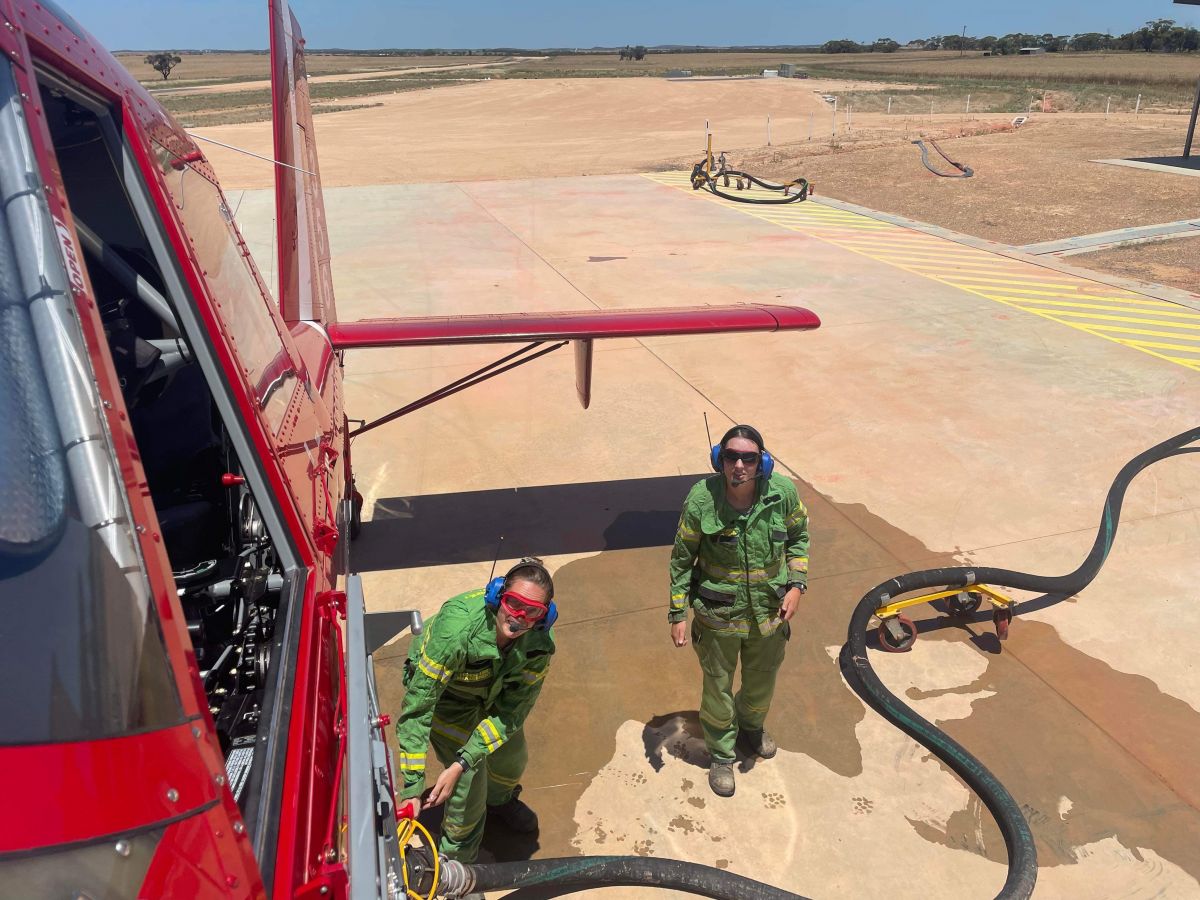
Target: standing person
[[471, 678], [741, 562]]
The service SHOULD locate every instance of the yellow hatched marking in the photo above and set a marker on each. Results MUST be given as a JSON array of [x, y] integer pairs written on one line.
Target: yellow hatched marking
[[970, 269], [1010, 292], [1161, 346], [985, 283], [1118, 329], [1104, 318], [890, 249], [1067, 303]]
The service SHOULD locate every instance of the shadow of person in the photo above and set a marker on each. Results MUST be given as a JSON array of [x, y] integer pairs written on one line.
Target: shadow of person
[[499, 843], [679, 734]]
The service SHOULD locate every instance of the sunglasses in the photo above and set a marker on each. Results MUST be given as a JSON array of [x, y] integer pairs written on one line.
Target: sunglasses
[[522, 607], [749, 457]]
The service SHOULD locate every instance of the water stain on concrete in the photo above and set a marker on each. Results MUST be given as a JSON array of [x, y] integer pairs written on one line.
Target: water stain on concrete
[[1059, 723]]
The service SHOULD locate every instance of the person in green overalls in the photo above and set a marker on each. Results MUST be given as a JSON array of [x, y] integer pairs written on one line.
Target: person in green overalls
[[471, 678], [740, 561]]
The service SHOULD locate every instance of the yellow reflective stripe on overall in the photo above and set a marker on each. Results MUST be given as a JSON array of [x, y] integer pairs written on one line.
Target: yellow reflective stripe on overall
[[797, 514], [507, 782], [798, 564], [491, 737], [532, 676], [687, 535], [410, 762], [720, 572], [445, 729], [715, 723], [734, 626], [433, 668]]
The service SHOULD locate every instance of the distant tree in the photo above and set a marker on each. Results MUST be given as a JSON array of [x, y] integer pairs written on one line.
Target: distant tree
[[885, 45], [987, 43], [842, 46], [1089, 41], [639, 52], [163, 63], [626, 53]]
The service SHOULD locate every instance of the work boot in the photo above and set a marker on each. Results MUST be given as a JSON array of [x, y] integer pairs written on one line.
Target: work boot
[[515, 815], [757, 743], [720, 778]]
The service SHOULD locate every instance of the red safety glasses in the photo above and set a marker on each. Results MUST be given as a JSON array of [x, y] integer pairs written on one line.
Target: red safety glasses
[[522, 607]]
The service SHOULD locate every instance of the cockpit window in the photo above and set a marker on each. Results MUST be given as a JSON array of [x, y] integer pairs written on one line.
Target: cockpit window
[[81, 651]]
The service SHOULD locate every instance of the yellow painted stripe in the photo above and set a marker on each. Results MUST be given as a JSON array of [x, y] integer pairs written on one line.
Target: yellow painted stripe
[[1009, 292], [994, 277], [1162, 346], [1132, 319], [1066, 303], [1118, 329], [986, 282]]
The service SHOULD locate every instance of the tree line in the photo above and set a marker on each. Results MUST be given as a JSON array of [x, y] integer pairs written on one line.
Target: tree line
[[1157, 35]]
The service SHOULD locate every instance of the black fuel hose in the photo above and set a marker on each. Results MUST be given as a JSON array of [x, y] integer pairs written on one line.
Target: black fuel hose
[[963, 171], [1022, 855], [583, 872], [702, 178]]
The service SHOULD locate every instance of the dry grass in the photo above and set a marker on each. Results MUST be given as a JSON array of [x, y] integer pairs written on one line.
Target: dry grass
[[219, 67], [1176, 69]]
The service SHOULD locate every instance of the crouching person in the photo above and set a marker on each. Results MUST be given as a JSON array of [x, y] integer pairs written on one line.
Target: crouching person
[[471, 678]]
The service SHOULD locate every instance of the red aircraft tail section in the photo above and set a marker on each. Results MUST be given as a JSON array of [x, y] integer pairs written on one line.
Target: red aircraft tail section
[[305, 283]]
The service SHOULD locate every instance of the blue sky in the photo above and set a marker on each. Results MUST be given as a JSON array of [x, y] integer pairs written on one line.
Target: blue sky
[[370, 24]]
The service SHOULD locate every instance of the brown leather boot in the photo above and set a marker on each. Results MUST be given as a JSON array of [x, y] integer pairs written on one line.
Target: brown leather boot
[[757, 743], [720, 779]]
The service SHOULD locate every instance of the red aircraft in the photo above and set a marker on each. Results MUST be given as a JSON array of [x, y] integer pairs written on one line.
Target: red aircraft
[[186, 694]]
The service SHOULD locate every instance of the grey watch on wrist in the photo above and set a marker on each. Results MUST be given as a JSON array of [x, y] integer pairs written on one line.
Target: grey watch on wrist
[[462, 761]]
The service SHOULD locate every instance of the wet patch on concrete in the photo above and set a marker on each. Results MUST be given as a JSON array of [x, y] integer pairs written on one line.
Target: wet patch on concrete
[[1050, 721]]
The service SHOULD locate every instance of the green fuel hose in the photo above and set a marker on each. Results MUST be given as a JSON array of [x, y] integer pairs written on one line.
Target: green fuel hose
[[1022, 855]]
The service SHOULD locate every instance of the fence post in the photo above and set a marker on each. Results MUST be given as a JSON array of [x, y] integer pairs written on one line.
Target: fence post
[[968, 104], [1107, 106], [849, 117], [768, 129], [810, 126], [1137, 109], [889, 112]]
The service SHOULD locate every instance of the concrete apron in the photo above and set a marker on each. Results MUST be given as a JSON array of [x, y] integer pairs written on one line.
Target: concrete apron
[[924, 425]]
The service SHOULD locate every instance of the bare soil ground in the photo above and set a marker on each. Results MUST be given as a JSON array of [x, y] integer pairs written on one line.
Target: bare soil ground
[[1034, 184], [1037, 183]]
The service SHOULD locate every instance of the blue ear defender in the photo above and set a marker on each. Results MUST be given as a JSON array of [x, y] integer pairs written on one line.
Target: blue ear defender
[[766, 464], [495, 587]]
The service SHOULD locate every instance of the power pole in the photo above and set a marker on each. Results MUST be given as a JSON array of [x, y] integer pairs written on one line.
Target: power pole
[[963, 42]]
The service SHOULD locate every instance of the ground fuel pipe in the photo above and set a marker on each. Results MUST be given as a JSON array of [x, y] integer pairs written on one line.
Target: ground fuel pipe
[[1022, 856], [564, 876]]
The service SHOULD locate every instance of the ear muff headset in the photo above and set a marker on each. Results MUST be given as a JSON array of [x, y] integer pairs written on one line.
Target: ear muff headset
[[495, 587], [765, 466]]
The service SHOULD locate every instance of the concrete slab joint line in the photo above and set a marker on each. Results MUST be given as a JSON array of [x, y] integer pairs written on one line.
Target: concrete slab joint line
[[993, 250]]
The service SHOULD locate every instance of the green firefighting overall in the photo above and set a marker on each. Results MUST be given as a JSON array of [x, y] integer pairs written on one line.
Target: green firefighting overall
[[733, 569], [470, 701]]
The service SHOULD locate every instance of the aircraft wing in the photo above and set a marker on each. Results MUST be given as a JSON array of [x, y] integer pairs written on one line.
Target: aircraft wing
[[572, 325], [582, 327], [305, 290]]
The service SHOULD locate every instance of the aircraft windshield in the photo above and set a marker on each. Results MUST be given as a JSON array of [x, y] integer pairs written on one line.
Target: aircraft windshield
[[81, 653]]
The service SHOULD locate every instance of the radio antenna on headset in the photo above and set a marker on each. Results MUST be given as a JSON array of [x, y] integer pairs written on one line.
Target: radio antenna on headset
[[496, 558], [707, 433]]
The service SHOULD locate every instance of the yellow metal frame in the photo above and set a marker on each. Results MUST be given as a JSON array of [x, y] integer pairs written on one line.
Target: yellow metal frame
[[990, 594]]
